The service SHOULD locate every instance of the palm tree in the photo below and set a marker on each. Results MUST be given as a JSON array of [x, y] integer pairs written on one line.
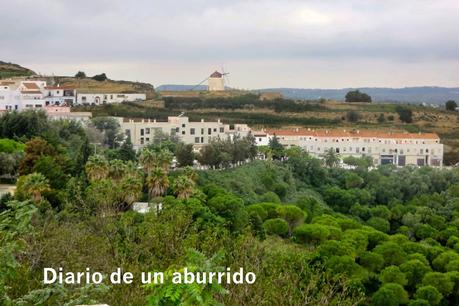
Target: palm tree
[[36, 184], [117, 169], [184, 187], [97, 168], [165, 159], [148, 159], [331, 158], [157, 182], [190, 173], [131, 189]]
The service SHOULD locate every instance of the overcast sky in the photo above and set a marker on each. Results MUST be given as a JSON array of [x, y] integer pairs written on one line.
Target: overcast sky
[[262, 43]]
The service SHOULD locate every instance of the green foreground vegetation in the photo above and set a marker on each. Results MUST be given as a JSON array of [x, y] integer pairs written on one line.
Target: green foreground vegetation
[[313, 234]]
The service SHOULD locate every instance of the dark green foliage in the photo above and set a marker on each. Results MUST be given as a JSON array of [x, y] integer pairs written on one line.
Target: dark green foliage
[[80, 75], [451, 105], [405, 114], [357, 96], [352, 116], [276, 226], [185, 155], [100, 77]]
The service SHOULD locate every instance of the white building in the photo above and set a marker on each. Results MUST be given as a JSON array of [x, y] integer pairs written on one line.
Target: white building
[[108, 98], [142, 131], [64, 113], [383, 147], [216, 82], [24, 94]]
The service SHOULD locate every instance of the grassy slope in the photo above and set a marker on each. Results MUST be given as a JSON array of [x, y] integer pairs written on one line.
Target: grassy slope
[[8, 70]]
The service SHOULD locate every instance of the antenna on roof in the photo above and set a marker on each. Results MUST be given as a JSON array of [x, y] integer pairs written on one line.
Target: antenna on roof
[[181, 114]]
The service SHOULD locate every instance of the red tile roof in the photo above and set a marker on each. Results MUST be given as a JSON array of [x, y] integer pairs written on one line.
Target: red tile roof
[[59, 87], [352, 133], [31, 85], [31, 92]]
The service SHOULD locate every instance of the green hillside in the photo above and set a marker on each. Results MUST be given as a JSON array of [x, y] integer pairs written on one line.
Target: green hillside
[[8, 70]]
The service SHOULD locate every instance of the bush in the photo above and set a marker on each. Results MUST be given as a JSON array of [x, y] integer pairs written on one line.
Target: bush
[[276, 226], [405, 114], [100, 77], [390, 295], [357, 96], [311, 233], [430, 294]]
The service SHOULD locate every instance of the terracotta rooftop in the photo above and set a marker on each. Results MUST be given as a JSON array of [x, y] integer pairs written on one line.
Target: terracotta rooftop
[[352, 133], [31, 86], [31, 92], [59, 87]]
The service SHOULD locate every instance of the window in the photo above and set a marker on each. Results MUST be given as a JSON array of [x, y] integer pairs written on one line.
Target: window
[[215, 130], [141, 140], [202, 131], [142, 132], [147, 131], [222, 130], [192, 131], [183, 125], [147, 139], [202, 139], [177, 129], [183, 132], [209, 131]]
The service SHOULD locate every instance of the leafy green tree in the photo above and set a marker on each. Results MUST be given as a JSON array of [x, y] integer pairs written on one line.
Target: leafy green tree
[[379, 223], [451, 105], [392, 252], [35, 184], [353, 180], [169, 293], [405, 114], [392, 274], [231, 208], [126, 151], [357, 96], [80, 75], [441, 261], [185, 155], [292, 214], [277, 149], [430, 294], [390, 295], [276, 226], [311, 233], [372, 261], [353, 116], [100, 77], [441, 281]]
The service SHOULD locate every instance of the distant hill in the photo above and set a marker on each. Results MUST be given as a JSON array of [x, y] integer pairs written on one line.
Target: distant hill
[[434, 95], [8, 70]]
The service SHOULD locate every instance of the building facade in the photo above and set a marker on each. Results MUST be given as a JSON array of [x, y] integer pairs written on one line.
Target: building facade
[[400, 149], [18, 95], [142, 132], [108, 98]]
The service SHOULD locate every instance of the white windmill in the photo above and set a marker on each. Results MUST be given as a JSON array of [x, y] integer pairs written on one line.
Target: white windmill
[[216, 81]]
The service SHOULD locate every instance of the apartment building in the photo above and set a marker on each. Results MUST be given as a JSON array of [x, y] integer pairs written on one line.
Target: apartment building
[[108, 98], [383, 147], [24, 94], [142, 131]]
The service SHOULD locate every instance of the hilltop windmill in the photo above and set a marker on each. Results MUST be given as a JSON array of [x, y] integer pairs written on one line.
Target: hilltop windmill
[[216, 81]]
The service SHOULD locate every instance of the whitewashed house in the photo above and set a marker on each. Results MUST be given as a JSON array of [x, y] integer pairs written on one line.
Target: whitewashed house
[[108, 98]]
